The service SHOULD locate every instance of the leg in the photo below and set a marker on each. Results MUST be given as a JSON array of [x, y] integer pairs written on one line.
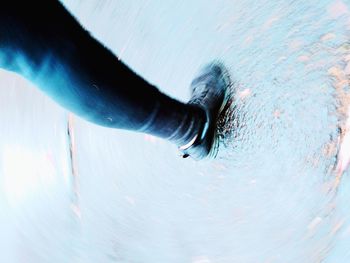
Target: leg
[[70, 66]]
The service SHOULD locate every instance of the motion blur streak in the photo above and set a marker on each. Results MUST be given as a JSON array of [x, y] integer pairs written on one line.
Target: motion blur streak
[[279, 191]]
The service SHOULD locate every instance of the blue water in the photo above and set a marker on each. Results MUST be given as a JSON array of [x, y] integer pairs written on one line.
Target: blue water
[[274, 194]]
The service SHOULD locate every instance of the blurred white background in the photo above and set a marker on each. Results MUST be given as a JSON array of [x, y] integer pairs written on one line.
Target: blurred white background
[[279, 191]]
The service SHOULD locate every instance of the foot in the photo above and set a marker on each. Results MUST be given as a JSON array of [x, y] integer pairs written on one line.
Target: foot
[[210, 92]]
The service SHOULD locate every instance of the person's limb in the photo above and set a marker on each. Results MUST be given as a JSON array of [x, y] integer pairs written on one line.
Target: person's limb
[[44, 43]]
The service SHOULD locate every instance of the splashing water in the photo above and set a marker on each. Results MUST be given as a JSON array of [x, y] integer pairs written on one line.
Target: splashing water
[[279, 189]]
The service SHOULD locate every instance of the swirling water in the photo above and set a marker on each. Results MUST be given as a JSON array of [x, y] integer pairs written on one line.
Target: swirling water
[[279, 189]]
